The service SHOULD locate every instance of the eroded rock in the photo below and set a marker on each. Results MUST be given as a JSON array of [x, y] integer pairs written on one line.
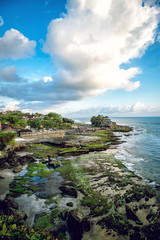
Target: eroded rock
[[68, 189], [26, 159], [17, 169], [131, 214], [54, 164]]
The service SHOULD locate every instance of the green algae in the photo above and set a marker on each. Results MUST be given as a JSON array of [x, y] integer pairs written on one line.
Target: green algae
[[27, 183]]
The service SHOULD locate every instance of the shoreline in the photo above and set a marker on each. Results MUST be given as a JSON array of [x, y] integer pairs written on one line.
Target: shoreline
[[106, 188]]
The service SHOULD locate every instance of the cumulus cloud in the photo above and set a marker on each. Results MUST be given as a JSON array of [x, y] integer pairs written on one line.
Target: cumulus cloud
[[88, 46], [137, 109], [47, 79], [1, 21], [9, 74], [11, 106], [15, 45], [91, 42]]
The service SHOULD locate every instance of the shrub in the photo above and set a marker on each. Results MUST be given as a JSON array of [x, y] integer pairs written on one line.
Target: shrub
[[6, 138]]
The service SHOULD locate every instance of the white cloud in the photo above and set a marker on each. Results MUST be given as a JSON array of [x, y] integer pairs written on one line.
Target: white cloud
[[1, 21], [9, 74], [94, 38], [137, 109], [15, 45], [47, 79], [11, 106]]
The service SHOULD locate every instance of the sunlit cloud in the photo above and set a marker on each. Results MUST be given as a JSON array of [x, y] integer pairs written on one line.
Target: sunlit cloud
[[94, 38], [15, 45]]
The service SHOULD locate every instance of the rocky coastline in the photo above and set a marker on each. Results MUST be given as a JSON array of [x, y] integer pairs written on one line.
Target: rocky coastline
[[84, 192]]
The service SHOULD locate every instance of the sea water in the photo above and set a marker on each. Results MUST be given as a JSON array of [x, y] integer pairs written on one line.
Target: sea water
[[140, 149]]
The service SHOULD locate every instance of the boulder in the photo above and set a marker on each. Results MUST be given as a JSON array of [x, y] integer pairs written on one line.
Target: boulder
[[69, 190], [131, 214], [10, 202], [17, 214], [75, 224], [12, 159], [54, 164], [17, 169], [26, 159], [69, 204]]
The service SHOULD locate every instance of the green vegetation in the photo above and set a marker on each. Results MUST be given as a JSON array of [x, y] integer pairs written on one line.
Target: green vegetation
[[19, 120], [35, 123], [100, 121], [27, 183], [6, 138], [12, 229]]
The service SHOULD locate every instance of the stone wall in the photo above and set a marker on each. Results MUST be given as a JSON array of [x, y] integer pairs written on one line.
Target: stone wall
[[43, 134]]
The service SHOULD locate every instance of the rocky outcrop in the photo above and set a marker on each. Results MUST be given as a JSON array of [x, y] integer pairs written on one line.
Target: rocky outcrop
[[26, 159], [54, 164], [77, 224], [68, 189], [9, 207], [12, 160], [17, 169], [131, 214]]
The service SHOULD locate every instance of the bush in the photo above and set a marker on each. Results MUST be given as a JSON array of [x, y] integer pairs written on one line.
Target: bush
[[6, 138]]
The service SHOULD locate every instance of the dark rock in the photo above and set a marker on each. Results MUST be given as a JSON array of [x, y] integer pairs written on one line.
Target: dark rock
[[17, 169], [49, 157], [86, 225], [17, 214], [64, 215], [6, 166], [10, 202], [75, 224], [6, 204], [131, 213], [54, 164], [26, 159], [1, 177], [13, 159], [69, 190], [146, 199], [69, 204]]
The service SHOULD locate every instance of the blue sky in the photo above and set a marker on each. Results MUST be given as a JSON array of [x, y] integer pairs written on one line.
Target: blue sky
[[80, 58]]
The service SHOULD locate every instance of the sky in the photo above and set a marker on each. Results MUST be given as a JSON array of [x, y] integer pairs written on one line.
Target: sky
[[80, 58]]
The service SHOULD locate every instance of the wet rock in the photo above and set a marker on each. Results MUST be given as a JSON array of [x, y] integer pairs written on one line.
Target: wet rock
[[17, 169], [6, 166], [69, 204], [26, 159], [10, 202], [17, 214], [13, 159], [49, 157], [69, 190], [86, 225], [6, 204], [131, 213], [75, 224], [64, 215], [54, 164]]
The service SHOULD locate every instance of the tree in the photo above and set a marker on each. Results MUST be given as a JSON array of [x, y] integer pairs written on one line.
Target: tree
[[54, 115], [100, 121], [22, 123], [35, 123], [48, 124], [13, 119]]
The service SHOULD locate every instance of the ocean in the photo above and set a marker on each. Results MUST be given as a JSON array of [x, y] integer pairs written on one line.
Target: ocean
[[140, 150]]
